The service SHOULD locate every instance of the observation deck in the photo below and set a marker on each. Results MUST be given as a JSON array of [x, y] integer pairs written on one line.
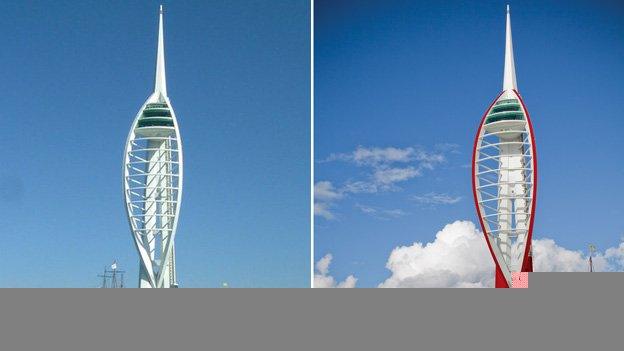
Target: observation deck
[[156, 120], [505, 110]]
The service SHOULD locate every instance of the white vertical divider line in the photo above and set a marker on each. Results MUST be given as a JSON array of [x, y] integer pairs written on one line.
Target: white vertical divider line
[[311, 143]]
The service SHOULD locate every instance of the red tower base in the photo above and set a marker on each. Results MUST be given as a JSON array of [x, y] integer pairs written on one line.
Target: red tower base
[[501, 282], [528, 264]]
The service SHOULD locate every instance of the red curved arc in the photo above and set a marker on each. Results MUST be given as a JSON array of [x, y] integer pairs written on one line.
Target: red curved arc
[[527, 266], [527, 248], [474, 187]]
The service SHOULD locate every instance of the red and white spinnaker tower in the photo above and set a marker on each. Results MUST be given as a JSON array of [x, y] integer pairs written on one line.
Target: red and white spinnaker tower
[[504, 176]]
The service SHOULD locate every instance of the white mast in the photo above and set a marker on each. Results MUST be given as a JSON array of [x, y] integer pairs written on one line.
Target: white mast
[[509, 77], [160, 84]]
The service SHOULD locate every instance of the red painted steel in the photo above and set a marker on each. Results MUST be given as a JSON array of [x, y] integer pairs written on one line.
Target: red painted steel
[[527, 261]]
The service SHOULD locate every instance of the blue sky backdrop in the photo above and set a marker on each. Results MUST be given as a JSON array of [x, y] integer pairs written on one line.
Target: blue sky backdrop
[[417, 76], [75, 73]]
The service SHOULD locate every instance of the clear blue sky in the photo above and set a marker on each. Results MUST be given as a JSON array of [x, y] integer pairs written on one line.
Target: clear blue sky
[[421, 73], [75, 73]]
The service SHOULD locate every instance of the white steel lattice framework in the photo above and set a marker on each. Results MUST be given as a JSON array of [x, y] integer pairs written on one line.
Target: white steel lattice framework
[[152, 180], [504, 176]]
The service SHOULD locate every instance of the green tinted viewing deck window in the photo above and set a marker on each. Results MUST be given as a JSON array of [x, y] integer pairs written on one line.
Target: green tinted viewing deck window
[[508, 109], [156, 115]]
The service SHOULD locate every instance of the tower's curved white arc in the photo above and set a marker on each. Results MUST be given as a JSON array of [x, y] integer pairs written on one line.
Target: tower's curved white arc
[[152, 181], [504, 176]]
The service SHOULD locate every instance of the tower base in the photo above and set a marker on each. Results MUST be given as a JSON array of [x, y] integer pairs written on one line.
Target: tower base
[[500, 281], [528, 264]]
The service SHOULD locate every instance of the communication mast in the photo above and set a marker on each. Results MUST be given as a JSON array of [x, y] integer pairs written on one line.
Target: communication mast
[[592, 250], [112, 277]]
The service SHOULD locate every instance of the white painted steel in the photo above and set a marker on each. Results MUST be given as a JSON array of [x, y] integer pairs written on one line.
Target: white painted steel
[[504, 175], [509, 76], [152, 181], [504, 187]]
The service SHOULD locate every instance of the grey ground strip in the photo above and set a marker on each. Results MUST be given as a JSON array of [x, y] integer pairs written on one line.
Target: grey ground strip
[[573, 311]]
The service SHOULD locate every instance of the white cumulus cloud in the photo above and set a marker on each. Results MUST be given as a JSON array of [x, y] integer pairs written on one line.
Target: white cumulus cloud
[[322, 279], [615, 255], [458, 257]]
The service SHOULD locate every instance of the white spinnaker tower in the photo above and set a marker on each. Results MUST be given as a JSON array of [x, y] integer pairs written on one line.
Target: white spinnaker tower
[[152, 180]]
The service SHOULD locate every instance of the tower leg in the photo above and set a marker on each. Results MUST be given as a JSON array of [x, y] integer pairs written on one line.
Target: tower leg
[[143, 277], [527, 266], [500, 281]]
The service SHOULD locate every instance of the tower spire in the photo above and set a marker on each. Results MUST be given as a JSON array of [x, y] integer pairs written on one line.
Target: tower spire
[[160, 85], [509, 77]]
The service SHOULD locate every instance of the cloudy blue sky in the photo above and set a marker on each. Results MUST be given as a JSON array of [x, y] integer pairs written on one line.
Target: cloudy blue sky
[[400, 87], [75, 73]]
